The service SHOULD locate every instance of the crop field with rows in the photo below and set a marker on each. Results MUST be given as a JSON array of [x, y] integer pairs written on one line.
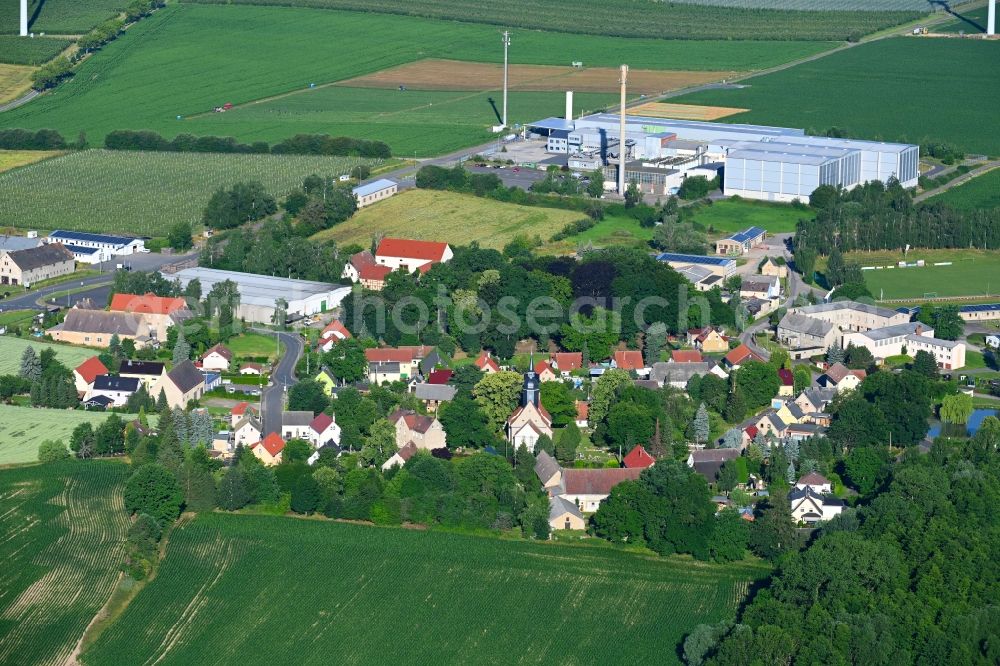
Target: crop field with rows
[[939, 81], [187, 59], [64, 529], [60, 17], [980, 192], [266, 590], [647, 18], [15, 50], [22, 429], [143, 193]]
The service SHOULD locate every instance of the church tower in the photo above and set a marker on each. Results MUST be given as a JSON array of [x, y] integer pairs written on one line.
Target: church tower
[[530, 391]]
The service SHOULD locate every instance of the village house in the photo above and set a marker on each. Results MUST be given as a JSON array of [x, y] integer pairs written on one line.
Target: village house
[[217, 358], [381, 372], [247, 430], [810, 507], [587, 488], [565, 515], [251, 369], [117, 389], [815, 481], [181, 385], [333, 333], [545, 372], [771, 267], [323, 431], [147, 372], [815, 400], [406, 358], [425, 432], [566, 362], [296, 425], [95, 328], [530, 420], [582, 414], [486, 363], [638, 458], [760, 286], [84, 374], [268, 450], [440, 376], [786, 385], [411, 255], [363, 268], [239, 411], [686, 356], [158, 312], [739, 356], [708, 462], [400, 457], [433, 395], [630, 361], [677, 375], [838, 376], [708, 340], [34, 264], [326, 379]]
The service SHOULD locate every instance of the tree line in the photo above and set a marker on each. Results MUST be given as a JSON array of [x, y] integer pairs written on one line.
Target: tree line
[[300, 144]]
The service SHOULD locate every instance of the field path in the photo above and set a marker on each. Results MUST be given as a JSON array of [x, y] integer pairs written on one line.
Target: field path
[[961, 180]]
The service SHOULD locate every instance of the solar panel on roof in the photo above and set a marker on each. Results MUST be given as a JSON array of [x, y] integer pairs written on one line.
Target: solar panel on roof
[[695, 259], [92, 238], [981, 307], [747, 234], [77, 249]]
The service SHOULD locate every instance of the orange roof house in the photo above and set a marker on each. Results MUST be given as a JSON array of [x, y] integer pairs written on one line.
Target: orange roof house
[[90, 369], [686, 356], [269, 449], [638, 458], [146, 304], [629, 360], [487, 363], [567, 362], [411, 249]]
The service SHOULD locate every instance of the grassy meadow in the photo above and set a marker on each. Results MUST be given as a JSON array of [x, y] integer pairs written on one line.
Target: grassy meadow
[[64, 528], [11, 159], [660, 20], [731, 215], [980, 192], [15, 80], [22, 429], [900, 89], [442, 597], [11, 350], [187, 59], [143, 193], [457, 218]]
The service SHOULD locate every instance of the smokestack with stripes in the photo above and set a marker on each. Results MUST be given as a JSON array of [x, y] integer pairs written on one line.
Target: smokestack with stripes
[[24, 18]]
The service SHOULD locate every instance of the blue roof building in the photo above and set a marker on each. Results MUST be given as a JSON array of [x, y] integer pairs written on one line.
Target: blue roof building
[[740, 242], [721, 266]]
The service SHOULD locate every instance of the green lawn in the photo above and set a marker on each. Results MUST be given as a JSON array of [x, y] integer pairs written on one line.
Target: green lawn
[[980, 192], [22, 429], [939, 82], [974, 360], [253, 344], [125, 192], [611, 231], [11, 317], [11, 350], [444, 598], [731, 215], [973, 273], [187, 59]]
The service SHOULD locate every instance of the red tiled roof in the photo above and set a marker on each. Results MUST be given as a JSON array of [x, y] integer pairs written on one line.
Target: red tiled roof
[[90, 369], [486, 360], [638, 458], [335, 329], [411, 249], [629, 360], [146, 304], [686, 356], [273, 444], [221, 350], [814, 479], [252, 366], [240, 409], [542, 366], [582, 410], [321, 423], [751, 430], [597, 481], [741, 354], [786, 377], [389, 354], [568, 361], [439, 376], [407, 451], [415, 422], [374, 272]]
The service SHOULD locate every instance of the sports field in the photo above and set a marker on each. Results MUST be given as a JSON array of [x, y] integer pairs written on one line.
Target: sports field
[[22, 429], [11, 159], [901, 89], [980, 192], [187, 59], [266, 590], [63, 529], [457, 218], [731, 215], [11, 350], [774, 19], [143, 193], [972, 273]]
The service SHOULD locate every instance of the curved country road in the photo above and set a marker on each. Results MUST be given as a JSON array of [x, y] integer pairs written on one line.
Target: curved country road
[[272, 400]]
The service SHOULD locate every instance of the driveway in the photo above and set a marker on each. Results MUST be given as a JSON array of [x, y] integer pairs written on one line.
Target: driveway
[[283, 376]]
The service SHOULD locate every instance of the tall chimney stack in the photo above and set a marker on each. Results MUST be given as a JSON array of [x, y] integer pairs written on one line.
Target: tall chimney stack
[[621, 136], [569, 105], [24, 18], [991, 19]]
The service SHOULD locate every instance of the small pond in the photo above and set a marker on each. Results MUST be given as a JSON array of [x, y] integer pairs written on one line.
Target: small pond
[[953, 430]]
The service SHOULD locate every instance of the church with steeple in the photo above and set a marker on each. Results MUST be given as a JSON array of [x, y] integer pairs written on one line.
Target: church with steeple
[[530, 420]]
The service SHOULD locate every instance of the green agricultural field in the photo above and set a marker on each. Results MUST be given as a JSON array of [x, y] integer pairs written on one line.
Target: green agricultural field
[[60, 17], [433, 215], [180, 62], [938, 81], [143, 193], [980, 192], [15, 50], [11, 350], [974, 21], [64, 528], [22, 429], [731, 215], [659, 20], [322, 591], [972, 273]]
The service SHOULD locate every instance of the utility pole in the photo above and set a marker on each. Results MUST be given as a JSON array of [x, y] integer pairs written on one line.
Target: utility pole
[[506, 44], [621, 135]]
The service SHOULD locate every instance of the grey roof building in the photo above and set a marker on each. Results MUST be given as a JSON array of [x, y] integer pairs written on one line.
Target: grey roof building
[[677, 374], [435, 392], [116, 383], [186, 376], [298, 418]]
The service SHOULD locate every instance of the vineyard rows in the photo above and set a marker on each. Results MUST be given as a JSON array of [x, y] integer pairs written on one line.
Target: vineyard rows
[[623, 18], [64, 529], [271, 590], [143, 193]]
